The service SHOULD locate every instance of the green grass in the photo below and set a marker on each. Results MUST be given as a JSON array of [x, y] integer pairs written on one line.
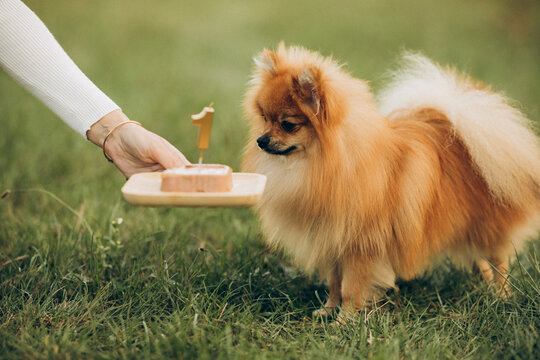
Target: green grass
[[199, 283]]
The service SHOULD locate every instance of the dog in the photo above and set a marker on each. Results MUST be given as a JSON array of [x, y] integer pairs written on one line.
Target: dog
[[366, 192]]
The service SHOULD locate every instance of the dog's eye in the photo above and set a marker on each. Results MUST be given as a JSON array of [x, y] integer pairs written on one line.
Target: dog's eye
[[288, 126], [264, 117]]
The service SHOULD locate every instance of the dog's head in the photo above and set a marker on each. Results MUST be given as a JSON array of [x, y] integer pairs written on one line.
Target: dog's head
[[288, 101]]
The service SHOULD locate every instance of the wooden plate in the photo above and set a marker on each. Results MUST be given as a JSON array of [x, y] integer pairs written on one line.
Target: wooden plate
[[144, 189]]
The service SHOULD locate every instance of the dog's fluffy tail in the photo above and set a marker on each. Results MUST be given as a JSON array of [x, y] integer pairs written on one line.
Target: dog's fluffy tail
[[499, 137]]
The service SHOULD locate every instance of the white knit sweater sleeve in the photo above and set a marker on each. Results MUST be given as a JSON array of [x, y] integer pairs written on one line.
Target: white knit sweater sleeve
[[31, 55]]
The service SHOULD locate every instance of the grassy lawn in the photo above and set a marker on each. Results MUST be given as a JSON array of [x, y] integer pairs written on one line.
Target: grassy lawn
[[75, 282]]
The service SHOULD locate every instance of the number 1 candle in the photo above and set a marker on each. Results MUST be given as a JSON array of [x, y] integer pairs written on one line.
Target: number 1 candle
[[204, 121]]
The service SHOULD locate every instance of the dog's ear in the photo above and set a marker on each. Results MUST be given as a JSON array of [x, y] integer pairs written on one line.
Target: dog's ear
[[267, 61], [306, 90]]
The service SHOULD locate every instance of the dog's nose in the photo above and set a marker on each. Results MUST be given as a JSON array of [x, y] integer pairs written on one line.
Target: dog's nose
[[263, 142]]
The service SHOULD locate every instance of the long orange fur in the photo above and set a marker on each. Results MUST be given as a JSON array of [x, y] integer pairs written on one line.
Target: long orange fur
[[366, 198]]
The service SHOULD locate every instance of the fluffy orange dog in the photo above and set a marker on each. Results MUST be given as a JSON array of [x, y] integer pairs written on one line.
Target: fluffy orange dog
[[366, 194]]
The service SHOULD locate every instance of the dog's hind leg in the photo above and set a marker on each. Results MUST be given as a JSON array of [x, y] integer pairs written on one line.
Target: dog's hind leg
[[334, 297]]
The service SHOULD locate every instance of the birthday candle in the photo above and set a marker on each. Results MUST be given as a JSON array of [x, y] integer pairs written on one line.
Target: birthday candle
[[204, 121]]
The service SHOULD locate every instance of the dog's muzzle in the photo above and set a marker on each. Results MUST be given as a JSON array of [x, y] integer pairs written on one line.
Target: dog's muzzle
[[266, 145]]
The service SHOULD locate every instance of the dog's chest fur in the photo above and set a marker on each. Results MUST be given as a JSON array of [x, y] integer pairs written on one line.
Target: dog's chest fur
[[306, 239]]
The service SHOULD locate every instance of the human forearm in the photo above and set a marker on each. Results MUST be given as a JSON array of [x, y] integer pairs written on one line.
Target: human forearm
[[29, 52], [31, 55]]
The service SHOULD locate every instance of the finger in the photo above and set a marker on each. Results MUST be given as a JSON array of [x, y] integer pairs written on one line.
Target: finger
[[173, 160], [180, 158], [135, 170], [154, 168], [170, 157]]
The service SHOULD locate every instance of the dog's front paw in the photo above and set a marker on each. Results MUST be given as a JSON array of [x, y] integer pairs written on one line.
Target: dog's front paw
[[325, 311], [350, 316]]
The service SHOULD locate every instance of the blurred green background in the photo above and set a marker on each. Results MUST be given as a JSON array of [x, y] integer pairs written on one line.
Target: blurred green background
[[162, 61]]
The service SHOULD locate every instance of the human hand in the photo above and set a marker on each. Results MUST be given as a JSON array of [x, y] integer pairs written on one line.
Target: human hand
[[132, 148]]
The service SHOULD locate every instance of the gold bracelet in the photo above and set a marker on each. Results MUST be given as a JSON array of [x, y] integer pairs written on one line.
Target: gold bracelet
[[107, 156]]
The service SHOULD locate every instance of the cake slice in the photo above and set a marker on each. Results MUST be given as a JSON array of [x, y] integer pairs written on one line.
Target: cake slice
[[198, 178]]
